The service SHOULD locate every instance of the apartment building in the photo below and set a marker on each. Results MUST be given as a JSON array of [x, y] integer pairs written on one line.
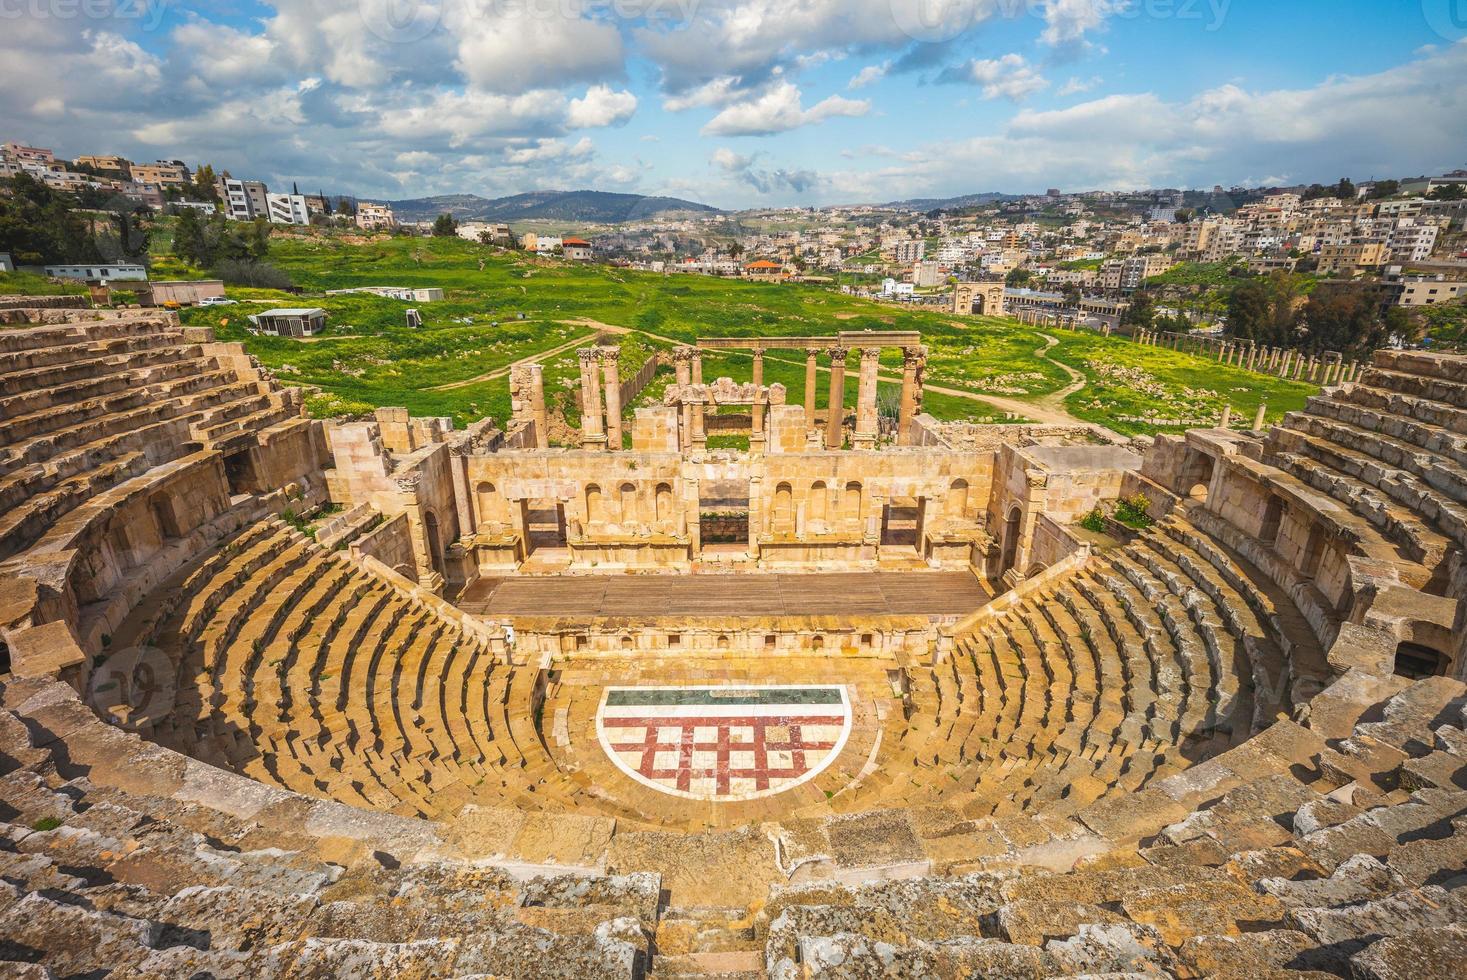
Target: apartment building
[[1430, 290], [19, 153], [164, 173], [288, 209], [243, 200], [926, 274], [113, 166], [373, 216], [1351, 259], [908, 251], [1131, 273], [1410, 241]]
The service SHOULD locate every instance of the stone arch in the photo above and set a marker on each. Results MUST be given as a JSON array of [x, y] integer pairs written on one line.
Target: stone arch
[[819, 501], [489, 504], [851, 506], [595, 506], [784, 506], [956, 504], [627, 502], [663, 502]]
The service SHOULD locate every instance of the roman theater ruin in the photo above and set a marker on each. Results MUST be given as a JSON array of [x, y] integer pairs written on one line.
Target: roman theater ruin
[[286, 697]]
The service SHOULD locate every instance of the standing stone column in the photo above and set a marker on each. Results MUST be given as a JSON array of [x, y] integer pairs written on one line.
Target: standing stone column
[[697, 436], [836, 399], [866, 426], [611, 364], [811, 380], [682, 366], [911, 361], [758, 383], [592, 434], [537, 406], [1260, 417], [697, 366]]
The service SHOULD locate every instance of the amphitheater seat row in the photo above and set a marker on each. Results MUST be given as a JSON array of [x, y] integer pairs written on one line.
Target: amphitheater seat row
[[1352, 862], [293, 665], [1391, 447], [1157, 655], [87, 408]]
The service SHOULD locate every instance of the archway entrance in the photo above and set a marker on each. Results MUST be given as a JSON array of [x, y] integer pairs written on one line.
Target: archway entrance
[[1010, 552], [1416, 661]]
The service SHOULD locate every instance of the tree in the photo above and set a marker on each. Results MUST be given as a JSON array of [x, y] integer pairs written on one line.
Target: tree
[[1348, 319], [1345, 189], [188, 238], [1449, 192], [203, 188], [38, 225], [735, 249], [1384, 188], [325, 203], [1265, 310], [1018, 277], [1142, 311], [1185, 215], [444, 226]]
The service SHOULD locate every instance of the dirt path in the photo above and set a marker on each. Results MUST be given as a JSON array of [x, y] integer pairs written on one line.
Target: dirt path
[[503, 372]]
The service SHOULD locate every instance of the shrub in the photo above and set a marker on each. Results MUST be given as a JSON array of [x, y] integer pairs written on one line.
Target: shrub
[[1132, 511], [244, 272], [1094, 521]]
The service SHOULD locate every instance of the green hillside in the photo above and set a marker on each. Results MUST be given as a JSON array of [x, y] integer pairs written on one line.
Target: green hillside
[[517, 306]]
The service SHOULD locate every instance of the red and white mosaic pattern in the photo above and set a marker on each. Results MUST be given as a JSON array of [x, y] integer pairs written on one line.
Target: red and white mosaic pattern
[[723, 743]]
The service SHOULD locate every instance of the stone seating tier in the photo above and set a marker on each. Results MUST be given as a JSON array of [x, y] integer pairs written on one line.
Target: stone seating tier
[[1292, 854]]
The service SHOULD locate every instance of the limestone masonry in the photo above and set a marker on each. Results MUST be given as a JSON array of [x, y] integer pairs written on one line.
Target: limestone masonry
[[879, 697]]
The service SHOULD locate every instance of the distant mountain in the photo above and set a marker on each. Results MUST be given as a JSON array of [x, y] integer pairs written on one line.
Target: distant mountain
[[952, 203], [594, 206]]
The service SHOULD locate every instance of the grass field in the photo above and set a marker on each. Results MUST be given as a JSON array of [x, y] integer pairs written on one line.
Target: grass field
[[501, 307]]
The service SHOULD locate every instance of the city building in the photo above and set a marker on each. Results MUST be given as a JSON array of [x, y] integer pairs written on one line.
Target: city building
[[288, 209], [373, 216], [113, 166], [1351, 259], [576, 249], [164, 173], [909, 251], [243, 200]]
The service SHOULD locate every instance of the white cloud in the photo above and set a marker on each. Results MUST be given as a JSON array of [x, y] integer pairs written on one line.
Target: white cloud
[[747, 39], [869, 75], [727, 159], [1077, 86], [779, 110], [1066, 22], [714, 92], [552, 149], [601, 106], [1009, 77], [527, 50]]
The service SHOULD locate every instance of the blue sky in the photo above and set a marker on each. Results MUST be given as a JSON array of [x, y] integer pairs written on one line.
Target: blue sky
[[744, 103]]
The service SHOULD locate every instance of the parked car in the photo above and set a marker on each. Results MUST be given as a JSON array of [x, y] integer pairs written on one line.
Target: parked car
[[217, 301]]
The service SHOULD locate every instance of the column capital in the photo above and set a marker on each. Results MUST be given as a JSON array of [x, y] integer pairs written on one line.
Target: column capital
[[838, 353], [814, 351], [684, 354], [870, 353], [912, 356], [589, 355], [610, 355]]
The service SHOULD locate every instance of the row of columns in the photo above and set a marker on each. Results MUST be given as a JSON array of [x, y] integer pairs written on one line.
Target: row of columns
[[600, 419], [1329, 368]]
